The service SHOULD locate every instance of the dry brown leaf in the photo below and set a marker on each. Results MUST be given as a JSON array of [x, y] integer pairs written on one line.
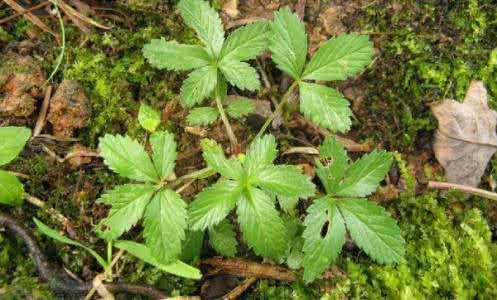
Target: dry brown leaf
[[465, 139]]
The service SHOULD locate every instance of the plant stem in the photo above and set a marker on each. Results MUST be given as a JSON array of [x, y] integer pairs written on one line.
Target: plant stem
[[224, 118], [462, 188], [278, 109]]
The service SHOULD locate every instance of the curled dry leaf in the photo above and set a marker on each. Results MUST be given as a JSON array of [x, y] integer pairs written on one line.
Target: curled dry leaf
[[465, 139]]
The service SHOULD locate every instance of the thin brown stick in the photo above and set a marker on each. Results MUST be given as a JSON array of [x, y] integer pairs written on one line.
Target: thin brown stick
[[42, 117], [71, 11], [245, 268], [239, 290], [40, 5], [463, 188]]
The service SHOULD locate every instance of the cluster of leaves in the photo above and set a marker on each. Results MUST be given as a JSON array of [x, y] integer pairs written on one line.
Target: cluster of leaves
[[13, 140]]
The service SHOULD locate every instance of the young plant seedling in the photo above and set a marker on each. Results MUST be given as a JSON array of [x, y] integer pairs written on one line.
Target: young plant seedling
[[250, 183], [214, 63], [337, 59], [148, 118], [345, 206], [12, 141], [162, 209]]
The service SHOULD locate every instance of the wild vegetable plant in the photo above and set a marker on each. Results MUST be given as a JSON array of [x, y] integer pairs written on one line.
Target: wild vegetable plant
[[345, 206], [162, 209], [250, 183], [214, 64], [12, 141], [336, 59]]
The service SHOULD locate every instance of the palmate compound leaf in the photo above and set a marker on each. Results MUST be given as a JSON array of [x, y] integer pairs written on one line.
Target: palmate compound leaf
[[202, 116], [148, 118], [142, 252], [261, 152], [199, 84], [213, 204], [324, 237], [213, 154], [172, 56], [222, 238], [128, 205], [12, 141], [240, 74], [246, 42], [339, 57], [165, 221], [288, 42], [164, 152], [204, 19], [11, 189], [325, 106], [127, 158], [364, 175], [372, 229], [240, 108], [284, 180], [261, 225]]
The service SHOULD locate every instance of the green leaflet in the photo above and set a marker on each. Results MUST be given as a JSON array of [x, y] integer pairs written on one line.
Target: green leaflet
[[288, 204], [240, 74], [222, 238], [288, 42], [262, 152], [141, 251], [373, 230], [284, 180], [164, 152], [340, 57], [324, 237], [332, 173], [246, 42], [214, 156], [170, 55], [148, 118], [11, 189], [127, 158], [202, 116], [240, 108], [199, 84], [325, 107], [192, 246], [202, 18], [13, 140]]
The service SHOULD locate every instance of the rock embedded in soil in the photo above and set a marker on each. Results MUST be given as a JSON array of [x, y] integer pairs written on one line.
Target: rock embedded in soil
[[69, 109], [21, 82]]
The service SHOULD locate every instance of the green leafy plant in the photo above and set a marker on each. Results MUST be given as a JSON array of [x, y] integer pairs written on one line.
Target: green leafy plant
[[148, 118], [336, 59], [162, 209], [214, 64], [250, 183], [12, 141], [345, 206]]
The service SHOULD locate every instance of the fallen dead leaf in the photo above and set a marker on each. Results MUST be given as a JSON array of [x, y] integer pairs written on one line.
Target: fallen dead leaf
[[465, 139]]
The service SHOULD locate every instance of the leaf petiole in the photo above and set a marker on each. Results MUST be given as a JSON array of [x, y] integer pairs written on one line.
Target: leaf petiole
[[224, 118]]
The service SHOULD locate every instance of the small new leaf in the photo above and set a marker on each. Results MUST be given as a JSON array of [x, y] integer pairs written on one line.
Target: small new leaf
[[246, 42], [199, 84], [222, 238], [240, 108], [215, 158], [11, 189], [202, 116], [284, 180], [148, 118], [173, 56], [13, 140], [240, 74], [262, 152], [337, 163]]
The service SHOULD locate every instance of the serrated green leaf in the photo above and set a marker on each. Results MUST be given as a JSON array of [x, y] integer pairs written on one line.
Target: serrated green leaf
[[214, 156], [172, 56], [13, 140], [288, 42], [332, 173], [288, 204], [128, 205], [202, 116], [364, 175], [284, 180], [63, 239], [200, 16], [324, 237], [340, 57], [240, 74], [142, 252], [261, 225], [192, 246], [213, 204], [240, 108], [127, 158], [165, 221], [296, 256], [148, 118], [222, 238], [199, 84], [325, 106], [246, 42], [164, 152], [373, 229], [11, 189], [261, 152]]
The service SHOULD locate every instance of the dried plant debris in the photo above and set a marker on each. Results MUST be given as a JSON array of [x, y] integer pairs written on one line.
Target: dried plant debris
[[465, 139], [69, 109], [21, 81]]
